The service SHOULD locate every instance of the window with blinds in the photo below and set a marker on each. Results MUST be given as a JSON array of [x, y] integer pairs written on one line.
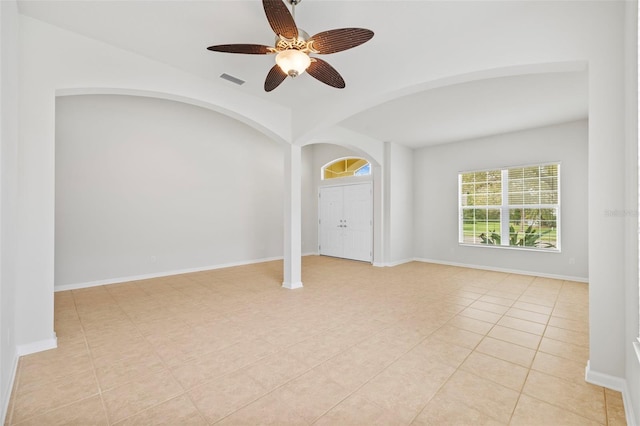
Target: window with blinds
[[515, 207]]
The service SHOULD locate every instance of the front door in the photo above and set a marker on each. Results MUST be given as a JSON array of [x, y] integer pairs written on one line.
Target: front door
[[346, 221]]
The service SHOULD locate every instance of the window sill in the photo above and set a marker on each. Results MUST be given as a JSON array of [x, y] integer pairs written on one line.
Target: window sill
[[490, 246]]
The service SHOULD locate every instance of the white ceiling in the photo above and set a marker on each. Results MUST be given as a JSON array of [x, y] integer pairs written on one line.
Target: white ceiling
[[475, 109], [390, 94]]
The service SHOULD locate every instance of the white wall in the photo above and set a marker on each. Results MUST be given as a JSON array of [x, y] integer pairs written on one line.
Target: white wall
[[399, 203], [436, 198], [147, 186], [8, 195], [632, 318]]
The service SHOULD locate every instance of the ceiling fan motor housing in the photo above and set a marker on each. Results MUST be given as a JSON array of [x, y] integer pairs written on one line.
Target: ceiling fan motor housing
[[298, 43]]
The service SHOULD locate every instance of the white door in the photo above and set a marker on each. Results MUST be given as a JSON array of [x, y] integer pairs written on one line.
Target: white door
[[346, 221], [330, 223], [358, 222]]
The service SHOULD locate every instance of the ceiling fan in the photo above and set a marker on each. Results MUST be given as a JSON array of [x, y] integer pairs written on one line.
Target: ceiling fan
[[293, 46]]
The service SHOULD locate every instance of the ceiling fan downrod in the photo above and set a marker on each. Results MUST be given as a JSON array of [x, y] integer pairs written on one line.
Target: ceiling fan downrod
[[293, 4]]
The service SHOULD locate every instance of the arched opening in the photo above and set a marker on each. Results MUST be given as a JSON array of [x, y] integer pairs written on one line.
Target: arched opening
[[154, 197]]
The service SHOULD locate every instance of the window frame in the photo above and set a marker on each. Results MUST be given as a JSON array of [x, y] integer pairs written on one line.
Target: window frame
[[330, 163], [505, 209]]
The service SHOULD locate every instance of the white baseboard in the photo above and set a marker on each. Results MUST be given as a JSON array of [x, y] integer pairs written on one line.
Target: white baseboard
[[39, 346], [613, 383], [293, 285], [7, 391], [22, 350], [392, 264], [65, 287], [505, 270], [601, 379]]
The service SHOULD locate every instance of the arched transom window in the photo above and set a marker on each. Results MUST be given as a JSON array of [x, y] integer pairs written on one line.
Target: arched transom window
[[345, 167]]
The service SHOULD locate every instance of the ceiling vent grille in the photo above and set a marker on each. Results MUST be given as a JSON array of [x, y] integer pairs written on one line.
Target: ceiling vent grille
[[232, 79]]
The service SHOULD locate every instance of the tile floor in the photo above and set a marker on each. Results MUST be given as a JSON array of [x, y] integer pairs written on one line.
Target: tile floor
[[415, 344]]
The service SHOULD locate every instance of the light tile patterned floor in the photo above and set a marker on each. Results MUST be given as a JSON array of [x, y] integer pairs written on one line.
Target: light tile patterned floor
[[415, 344]]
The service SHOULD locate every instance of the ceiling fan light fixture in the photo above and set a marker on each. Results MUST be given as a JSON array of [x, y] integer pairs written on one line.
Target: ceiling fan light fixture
[[293, 62]]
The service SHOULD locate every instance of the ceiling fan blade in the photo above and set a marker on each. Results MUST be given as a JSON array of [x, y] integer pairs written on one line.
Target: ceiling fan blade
[[324, 72], [333, 41], [280, 18], [274, 78], [250, 49]]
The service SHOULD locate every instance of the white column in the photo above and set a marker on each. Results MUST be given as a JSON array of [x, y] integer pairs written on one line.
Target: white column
[[606, 188], [386, 206], [292, 217], [378, 216]]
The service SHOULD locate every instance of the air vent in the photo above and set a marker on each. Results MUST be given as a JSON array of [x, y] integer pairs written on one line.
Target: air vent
[[232, 79]]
